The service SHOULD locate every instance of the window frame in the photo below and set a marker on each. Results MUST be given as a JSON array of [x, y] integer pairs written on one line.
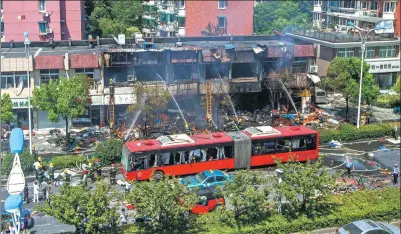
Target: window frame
[[390, 5], [224, 4], [44, 25], [14, 76], [389, 51], [225, 21], [46, 77], [219, 176], [42, 5], [346, 52], [181, 4]]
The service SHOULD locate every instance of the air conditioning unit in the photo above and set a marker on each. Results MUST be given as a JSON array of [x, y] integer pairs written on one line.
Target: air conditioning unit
[[313, 69], [49, 30]]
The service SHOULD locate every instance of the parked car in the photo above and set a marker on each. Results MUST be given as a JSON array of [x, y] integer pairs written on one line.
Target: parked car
[[367, 226], [6, 217], [208, 201], [207, 179]]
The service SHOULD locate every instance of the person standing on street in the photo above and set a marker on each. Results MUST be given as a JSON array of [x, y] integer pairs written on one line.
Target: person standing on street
[[395, 131], [50, 171], [41, 176], [396, 173], [113, 172], [349, 166], [98, 168], [37, 166], [123, 217], [44, 190], [36, 192], [25, 225], [26, 193], [67, 178], [49, 190], [91, 172]]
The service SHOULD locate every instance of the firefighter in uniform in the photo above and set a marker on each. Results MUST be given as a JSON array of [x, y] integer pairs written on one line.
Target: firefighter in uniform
[[50, 171], [98, 168], [113, 172], [91, 172], [84, 176], [41, 176], [67, 178]]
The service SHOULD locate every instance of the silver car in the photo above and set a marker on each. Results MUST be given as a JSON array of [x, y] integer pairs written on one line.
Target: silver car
[[367, 226]]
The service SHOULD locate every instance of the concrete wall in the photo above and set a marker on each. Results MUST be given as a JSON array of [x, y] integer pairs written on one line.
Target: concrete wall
[[239, 15]]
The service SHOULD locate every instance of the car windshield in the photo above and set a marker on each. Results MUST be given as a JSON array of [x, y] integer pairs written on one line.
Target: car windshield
[[201, 177], [352, 229]]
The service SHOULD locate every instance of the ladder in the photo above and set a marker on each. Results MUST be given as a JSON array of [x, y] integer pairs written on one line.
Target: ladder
[[208, 100], [111, 104]]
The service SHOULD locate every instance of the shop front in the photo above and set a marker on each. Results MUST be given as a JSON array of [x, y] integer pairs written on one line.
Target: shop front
[[20, 112]]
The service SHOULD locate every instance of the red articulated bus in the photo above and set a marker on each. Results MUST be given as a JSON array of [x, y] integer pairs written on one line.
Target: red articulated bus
[[181, 154]]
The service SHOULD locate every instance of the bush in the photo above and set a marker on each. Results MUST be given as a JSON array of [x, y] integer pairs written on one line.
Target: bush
[[109, 151], [380, 205], [68, 161], [388, 101], [27, 159], [348, 132]]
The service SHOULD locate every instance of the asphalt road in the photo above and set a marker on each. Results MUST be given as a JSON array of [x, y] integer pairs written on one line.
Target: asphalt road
[[359, 150]]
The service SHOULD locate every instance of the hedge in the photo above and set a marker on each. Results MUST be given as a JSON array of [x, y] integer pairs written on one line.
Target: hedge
[[388, 101], [26, 159], [348, 132], [68, 161], [379, 205]]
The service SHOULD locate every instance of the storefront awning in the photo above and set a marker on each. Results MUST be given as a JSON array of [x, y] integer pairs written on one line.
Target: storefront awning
[[84, 61], [49, 62]]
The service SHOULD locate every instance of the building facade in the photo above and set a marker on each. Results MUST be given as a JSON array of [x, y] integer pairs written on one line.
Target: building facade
[[365, 14], [43, 20], [197, 18], [260, 67]]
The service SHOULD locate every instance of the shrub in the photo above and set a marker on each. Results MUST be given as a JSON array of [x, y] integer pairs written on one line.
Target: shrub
[[380, 205], [388, 101], [27, 159], [109, 151], [68, 161], [348, 132]]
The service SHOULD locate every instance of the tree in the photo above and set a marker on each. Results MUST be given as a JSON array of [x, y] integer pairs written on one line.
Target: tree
[[27, 159], [277, 15], [72, 204], [166, 203], [64, 98], [113, 17], [397, 86], [343, 76], [152, 101], [109, 151], [302, 185], [247, 198], [6, 109]]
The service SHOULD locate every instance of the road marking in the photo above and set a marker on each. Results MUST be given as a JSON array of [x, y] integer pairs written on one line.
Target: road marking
[[41, 225]]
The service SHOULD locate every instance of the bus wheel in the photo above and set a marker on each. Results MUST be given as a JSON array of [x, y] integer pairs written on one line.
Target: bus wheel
[[158, 175]]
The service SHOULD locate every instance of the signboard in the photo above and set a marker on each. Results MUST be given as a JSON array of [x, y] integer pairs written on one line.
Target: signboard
[[121, 99], [19, 103], [384, 66], [81, 120]]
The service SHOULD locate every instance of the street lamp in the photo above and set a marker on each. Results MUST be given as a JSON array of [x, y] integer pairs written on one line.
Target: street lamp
[[363, 40], [280, 175], [27, 43]]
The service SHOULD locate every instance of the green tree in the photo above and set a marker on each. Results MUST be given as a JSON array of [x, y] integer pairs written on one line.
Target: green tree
[[343, 76], [72, 204], [166, 203], [113, 17], [302, 185], [277, 15], [65, 98], [152, 101], [247, 198], [109, 151], [27, 159], [397, 86], [6, 109]]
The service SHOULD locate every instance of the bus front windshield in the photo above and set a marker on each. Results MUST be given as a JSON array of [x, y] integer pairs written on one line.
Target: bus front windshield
[[125, 157]]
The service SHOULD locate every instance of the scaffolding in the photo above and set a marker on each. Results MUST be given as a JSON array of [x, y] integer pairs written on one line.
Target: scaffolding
[[208, 101], [111, 104]]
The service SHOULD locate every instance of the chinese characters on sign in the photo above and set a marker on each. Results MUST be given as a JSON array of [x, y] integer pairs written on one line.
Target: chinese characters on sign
[[384, 67], [20, 103]]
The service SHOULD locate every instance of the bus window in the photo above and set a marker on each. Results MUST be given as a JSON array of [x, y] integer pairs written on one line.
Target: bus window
[[139, 164], [212, 153], [220, 153], [166, 159], [152, 160], [298, 143], [283, 145], [310, 142], [228, 151], [269, 146], [256, 148], [198, 155], [177, 157]]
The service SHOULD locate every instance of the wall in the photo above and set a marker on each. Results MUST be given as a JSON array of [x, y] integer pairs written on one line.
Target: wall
[[397, 19], [239, 15], [74, 26]]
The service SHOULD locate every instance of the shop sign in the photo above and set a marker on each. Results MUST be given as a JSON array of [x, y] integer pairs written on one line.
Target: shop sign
[[385, 66], [20, 103], [81, 120]]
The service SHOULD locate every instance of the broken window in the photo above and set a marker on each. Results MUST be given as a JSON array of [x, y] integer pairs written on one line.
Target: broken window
[[299, 65], [240, 70], [216, 71], [228, 151]]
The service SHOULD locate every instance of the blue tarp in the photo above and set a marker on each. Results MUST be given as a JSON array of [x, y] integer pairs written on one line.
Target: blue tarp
[[17, 141], [13, 202]]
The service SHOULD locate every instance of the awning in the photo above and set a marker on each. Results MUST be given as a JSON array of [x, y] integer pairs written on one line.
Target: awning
[[257, 49], [84, 61], [314, 78], [49, 62], [304, 51]]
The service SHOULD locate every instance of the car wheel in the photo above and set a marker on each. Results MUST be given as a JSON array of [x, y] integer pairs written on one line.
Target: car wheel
[[158, 175]]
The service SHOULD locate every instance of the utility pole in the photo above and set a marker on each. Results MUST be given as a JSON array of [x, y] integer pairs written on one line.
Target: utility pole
[[1, 128]]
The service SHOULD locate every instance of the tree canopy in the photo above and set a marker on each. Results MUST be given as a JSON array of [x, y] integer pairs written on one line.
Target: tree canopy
[[108, 17], [166, 203], [277, 15], [72, 204], [65, 98], [6, 109], [343, 76], [397, 86]]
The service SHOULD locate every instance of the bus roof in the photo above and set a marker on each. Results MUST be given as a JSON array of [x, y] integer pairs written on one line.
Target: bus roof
[[191, 141], [286, 131]]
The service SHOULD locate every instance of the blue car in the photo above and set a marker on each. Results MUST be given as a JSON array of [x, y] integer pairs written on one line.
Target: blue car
[[207, 179], [6, 217]]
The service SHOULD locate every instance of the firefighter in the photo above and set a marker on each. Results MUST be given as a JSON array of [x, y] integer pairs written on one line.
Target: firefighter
[[395, 131], [50, 171], [91, 171], [37, 166], [113, 172], [41, 176], [98, 168], [84, 175], [67, 178]]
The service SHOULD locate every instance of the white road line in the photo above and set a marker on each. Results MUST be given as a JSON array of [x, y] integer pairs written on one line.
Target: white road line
[[41, 225]]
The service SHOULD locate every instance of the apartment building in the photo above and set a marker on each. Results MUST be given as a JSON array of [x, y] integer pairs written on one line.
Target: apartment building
[[164, 18], [249, 67], [43, 20], [365, 14]]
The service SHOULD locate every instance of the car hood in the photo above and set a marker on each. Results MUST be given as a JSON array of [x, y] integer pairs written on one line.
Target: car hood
[[190, 181], [393, 228]]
